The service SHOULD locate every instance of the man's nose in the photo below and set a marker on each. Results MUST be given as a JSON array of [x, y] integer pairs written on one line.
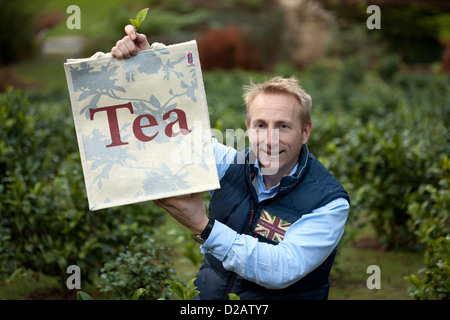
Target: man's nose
[[272, 137]]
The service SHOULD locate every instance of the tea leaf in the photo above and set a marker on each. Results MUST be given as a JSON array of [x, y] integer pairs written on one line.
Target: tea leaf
[[136, 24], [142, 14], [184, 293], [140, 17], [233, 296], [177, 288], [81, 295], [138, 293]]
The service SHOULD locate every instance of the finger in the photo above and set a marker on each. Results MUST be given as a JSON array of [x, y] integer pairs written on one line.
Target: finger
[[116, 53], [172, 204], [160, 203], [120, 45], [130, 31], [132, 48], [142, 42]]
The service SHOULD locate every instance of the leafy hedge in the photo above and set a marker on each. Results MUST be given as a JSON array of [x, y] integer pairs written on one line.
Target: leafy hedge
[[431, 218], [144, 264], [45, 223]]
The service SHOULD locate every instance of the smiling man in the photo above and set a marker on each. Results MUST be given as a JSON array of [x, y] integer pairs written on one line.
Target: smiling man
[[277, 130], [273, 226]]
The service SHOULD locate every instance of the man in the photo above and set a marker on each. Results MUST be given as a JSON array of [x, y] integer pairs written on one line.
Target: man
[[274, 224]]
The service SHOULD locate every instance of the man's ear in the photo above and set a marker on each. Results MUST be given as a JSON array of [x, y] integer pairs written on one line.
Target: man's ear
[[306, 132]]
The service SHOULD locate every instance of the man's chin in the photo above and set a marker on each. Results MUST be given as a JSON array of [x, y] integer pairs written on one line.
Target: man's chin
[[269, 166]]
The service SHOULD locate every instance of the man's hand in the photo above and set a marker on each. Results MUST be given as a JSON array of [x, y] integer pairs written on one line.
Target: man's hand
[[131, 44], [188, 210]]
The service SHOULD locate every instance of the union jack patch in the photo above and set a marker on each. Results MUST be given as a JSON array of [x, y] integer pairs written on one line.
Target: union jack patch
[[271, 227]]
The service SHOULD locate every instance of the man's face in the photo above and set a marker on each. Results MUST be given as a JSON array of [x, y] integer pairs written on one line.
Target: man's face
[[275, 131]]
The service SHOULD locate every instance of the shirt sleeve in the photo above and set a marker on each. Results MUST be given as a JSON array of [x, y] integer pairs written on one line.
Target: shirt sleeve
[[306, 245], [224, 156]]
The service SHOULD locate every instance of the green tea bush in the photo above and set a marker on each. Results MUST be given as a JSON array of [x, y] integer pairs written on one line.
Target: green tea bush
[[45, 223], [144, 264], [432, 219], [386, 166]]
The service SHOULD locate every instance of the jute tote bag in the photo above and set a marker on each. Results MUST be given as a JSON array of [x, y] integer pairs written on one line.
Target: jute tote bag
[[142, 125]]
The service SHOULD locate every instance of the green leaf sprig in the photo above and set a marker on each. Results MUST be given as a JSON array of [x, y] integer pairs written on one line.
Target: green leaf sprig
[[140, 17], [184, 293]]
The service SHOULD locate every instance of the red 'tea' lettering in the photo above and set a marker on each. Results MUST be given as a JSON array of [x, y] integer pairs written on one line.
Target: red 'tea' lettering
[[113, 122], [137, 127]]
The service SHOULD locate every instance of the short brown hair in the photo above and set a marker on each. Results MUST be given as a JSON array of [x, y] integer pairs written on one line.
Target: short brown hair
[[281, 85]]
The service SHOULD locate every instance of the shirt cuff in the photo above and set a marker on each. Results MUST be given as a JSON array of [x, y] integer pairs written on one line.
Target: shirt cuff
[[219, 241]]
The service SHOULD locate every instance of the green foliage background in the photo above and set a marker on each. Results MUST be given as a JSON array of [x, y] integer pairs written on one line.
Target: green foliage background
[[382, 129]]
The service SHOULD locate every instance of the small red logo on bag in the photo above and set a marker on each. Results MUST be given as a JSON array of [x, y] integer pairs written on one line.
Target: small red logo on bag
[[189, 58]]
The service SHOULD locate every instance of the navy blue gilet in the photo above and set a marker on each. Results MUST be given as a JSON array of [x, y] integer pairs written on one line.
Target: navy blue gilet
[[235, 204]]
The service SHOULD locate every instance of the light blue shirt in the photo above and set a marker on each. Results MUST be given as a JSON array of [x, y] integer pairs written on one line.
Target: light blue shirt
[[306, 244]]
